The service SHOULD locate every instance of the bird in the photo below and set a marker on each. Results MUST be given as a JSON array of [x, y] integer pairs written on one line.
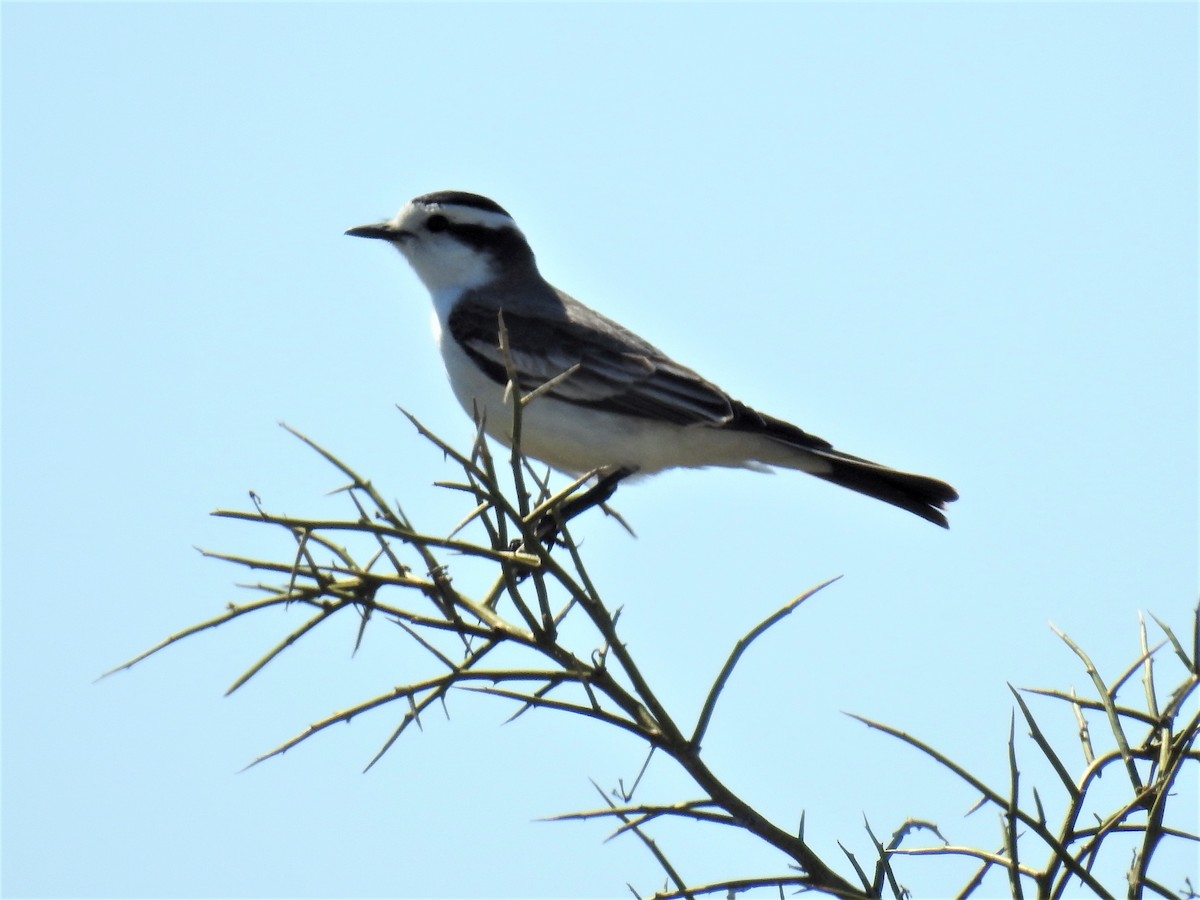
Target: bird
[[623, 406]]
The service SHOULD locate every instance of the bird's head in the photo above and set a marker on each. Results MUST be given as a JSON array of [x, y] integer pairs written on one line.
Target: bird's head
[[455, 240]]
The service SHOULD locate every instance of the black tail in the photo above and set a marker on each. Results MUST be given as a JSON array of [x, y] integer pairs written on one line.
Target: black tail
[[919, 494]]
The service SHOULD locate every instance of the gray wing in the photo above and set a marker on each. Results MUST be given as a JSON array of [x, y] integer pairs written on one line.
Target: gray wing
[[621, 373], [618, 371]]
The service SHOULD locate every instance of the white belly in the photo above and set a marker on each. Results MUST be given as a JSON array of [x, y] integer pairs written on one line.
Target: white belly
[[575, 439]]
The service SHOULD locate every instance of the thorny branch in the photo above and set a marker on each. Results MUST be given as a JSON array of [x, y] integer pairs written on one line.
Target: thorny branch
[[539, 579]]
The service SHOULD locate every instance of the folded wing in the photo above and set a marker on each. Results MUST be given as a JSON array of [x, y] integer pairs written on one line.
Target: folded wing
[[618, 371]]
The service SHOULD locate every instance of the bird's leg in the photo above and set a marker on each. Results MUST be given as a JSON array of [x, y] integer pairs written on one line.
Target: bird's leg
[[550, 524]]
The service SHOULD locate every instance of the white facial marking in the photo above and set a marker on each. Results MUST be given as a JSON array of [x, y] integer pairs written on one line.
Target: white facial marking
[[444, 263]]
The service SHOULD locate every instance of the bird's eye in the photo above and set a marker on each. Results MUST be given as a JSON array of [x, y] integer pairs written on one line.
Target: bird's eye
[[436, 223]]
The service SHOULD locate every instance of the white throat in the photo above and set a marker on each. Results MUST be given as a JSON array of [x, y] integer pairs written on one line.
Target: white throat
[[449, 266]]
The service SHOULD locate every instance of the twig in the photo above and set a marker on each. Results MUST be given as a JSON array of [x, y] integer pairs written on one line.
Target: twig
[[739, 648]]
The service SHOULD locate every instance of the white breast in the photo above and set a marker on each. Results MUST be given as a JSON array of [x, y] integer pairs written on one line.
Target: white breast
[[575, 439]]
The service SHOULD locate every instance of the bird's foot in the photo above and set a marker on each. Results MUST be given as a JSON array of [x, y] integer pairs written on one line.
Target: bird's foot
[[549, 526]]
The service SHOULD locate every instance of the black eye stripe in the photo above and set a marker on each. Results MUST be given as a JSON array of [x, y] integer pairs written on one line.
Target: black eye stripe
[[481, 236], [502, 243]]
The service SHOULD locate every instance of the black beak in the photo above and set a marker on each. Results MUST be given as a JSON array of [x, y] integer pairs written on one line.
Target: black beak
[[382, 232]]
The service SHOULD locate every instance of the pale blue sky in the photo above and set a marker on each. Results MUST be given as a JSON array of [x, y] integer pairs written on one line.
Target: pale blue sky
[[959, 239]]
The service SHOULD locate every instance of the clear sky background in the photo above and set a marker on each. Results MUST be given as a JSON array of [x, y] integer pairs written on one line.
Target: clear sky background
[[959, 239]]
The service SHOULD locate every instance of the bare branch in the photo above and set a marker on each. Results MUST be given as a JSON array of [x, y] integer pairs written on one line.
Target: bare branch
[[527, 545], [995, 859], [654, 850], [1106, 698], [233, 613], [283, 645], [739, 648], [1044, 745], [993, 797], [512, 557]]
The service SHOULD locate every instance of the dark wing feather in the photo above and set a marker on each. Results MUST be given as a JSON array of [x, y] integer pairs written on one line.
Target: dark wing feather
[[619, 372]]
